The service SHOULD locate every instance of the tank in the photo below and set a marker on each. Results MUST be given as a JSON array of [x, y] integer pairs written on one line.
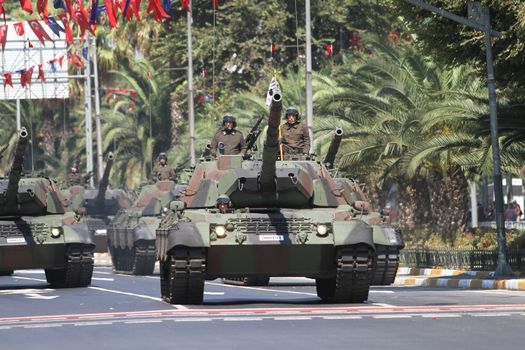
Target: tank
[[286, 219], [38, 231], [388, 240], [131, 235]]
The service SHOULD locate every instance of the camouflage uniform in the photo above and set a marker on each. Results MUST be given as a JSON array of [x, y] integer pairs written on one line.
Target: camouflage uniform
[[75, 179], [162, 172], [295, 139], [233, 141]]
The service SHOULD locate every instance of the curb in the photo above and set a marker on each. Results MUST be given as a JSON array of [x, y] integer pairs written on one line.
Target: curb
[[447, 278]]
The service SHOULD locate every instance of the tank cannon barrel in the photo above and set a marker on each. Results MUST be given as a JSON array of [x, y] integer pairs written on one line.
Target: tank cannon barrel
[[329, 160], [15, 174], [271, 144], [104, 181]]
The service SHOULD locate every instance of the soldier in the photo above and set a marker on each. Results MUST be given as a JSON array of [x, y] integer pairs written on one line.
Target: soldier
[[294, 136], [228, 140], [223, 203], [74, 178], [161, 170]]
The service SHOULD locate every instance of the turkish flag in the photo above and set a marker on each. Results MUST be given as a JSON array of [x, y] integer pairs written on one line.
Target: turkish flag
[[25, 77], [328, 50], [61, 61], [158, 11], [26, 6], [83, 22], [39, 31], [71, 10], [41, 73], [73, 60], [67, 28], [3, 35], [19, 28], [112, 16], [8, 80], [185, 5], [41, 6]]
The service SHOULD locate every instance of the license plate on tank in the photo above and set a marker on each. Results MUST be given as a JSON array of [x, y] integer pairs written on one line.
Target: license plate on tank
[[16, 240], [271, 238]]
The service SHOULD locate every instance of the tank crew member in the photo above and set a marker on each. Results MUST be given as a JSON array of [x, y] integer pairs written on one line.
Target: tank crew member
[[74, 178], [294, 136], [161, 170], [224, 204], [231, 140]]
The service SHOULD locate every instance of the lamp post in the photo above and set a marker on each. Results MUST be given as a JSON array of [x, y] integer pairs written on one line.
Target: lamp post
[[479, 18]]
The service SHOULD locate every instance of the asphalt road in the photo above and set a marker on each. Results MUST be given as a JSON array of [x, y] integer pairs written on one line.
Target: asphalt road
[[126, 312]]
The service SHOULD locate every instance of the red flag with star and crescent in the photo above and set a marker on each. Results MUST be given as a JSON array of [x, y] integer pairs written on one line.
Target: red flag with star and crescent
[[8, 80], [26, 6], [25, 77], [41, 6], [3, 35], [69, 34], [39, 31], [19, 28]]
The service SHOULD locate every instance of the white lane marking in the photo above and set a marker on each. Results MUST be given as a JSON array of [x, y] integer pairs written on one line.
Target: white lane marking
[[292, 318], [42, 297], [392, 316], [102, 279], [499, 291], [30, 279], [30, 272], [382, 291], [31, 293], [382, 304], [440, 315], [134, 295], [202, 319], [491, 314], [261, 289], [47, 325], [213, 293], [242, 319], [94, 323], [143, 321], [342, 317]]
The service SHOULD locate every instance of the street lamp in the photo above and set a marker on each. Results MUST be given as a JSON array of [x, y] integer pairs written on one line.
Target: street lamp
[[479, 18]]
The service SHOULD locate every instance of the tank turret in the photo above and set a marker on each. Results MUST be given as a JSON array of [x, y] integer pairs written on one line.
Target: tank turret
[[104, 182], [329, 159], [271, 145], [15, 174]]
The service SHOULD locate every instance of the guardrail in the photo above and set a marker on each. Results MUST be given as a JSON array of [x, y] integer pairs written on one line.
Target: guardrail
[[466, 259]]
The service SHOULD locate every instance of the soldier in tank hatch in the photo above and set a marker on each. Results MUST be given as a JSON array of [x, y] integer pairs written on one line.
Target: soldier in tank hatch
[[231, 140], [294, 136], [224, 204], [161, 171], [74, 178]]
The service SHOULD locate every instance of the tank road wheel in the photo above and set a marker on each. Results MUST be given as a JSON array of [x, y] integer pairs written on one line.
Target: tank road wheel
[[182, 276], [247, 281], [78, 270], [6, 272], [352, 281], [386, 262], [144, 257]]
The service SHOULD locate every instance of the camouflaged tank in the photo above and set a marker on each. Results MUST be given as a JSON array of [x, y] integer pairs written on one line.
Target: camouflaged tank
[[287, 218], [38, 231], [101, 205], [131, 235], [388, 241]]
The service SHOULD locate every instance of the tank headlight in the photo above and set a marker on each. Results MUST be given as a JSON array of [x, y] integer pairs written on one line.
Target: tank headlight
[[220, 231], [56, 232], [322, 230]]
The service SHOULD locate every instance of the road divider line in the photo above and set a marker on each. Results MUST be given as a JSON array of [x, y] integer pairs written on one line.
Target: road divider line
[[261, 289]]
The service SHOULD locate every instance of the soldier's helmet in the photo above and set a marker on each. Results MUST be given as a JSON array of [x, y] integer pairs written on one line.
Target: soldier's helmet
[[229, 118], [163, 155], [292, 111], [223, 199]]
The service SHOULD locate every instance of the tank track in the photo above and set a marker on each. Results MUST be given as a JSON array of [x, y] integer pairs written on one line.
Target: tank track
[[182, 276], [386, 262], [78, 270], [6, 272], [353, 272], [139, 260], [247, 281]]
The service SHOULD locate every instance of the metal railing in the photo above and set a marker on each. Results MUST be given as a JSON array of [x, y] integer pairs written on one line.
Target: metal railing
[[467, 259]]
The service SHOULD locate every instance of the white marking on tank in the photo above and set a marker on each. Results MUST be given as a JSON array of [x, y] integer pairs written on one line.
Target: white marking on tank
[[262, 289]]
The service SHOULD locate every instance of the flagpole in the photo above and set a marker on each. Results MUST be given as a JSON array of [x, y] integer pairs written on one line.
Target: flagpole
[[100, 158], [88, 119], [191, 115], [309, 104]]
